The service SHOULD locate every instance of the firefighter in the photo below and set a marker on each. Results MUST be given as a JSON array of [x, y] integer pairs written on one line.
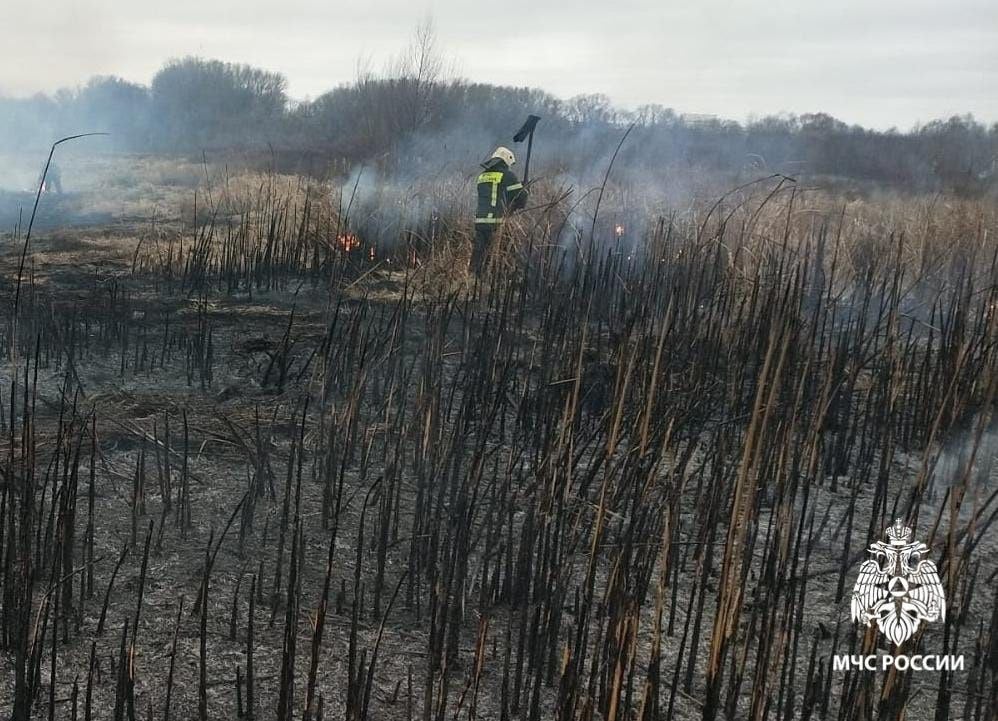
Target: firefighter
[[499, 193], [52, 180]]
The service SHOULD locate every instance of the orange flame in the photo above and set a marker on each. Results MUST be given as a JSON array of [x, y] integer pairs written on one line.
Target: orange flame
[[348, 242]]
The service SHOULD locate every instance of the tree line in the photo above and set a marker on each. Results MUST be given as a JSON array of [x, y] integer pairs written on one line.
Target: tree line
[[193, 104]]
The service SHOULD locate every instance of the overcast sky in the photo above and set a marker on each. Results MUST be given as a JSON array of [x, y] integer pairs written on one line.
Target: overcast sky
[[881, 63]]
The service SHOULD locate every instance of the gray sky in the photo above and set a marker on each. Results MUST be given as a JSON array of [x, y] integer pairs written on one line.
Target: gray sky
[[879, 63]]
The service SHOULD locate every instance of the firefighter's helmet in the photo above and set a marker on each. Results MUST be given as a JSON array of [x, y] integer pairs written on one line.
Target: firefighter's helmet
[[505, 155]]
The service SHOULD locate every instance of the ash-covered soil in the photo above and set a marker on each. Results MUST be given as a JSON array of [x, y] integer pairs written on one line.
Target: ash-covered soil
[[516, 532]]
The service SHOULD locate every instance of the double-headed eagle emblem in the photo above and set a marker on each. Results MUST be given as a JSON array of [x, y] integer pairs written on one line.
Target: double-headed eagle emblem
[[898, 587]]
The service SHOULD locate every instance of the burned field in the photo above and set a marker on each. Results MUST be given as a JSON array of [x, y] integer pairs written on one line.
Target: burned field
[[258, 466]]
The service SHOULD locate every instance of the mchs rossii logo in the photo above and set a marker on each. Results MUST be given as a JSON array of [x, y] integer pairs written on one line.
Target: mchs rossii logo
[[898, 586], [898, 589]]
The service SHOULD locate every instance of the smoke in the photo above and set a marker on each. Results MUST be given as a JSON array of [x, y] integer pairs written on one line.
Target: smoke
[[966, 456], [428, 180], [412, 149]]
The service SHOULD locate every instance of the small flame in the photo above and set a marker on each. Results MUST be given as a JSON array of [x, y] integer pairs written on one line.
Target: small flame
[[348, 242]]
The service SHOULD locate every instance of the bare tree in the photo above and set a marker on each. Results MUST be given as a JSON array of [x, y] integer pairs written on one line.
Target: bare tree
[[418, 70]]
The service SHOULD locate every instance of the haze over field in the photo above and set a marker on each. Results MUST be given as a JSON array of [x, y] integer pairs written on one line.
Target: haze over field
[[884, 64], [327, 393]]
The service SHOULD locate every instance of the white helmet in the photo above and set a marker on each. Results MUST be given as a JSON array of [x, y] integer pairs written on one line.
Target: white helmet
[[505, 154]]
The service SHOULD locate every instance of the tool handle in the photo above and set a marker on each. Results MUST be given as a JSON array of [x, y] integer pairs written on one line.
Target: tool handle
[[526, 165]]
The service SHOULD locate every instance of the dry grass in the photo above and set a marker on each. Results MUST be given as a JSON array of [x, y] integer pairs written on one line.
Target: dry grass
[[563, 477]]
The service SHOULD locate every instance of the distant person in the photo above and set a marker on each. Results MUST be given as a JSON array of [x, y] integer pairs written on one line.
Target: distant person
[[499, 193], [52, 180]]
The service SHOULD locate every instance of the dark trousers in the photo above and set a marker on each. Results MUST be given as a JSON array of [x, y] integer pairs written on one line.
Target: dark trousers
[[480, 247]]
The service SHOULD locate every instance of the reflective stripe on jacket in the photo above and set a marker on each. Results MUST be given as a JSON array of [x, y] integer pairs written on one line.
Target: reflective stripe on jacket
[[499, 192]]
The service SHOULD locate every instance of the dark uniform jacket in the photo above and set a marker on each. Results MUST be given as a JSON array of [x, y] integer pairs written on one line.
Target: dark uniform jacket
[[499, 192]]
